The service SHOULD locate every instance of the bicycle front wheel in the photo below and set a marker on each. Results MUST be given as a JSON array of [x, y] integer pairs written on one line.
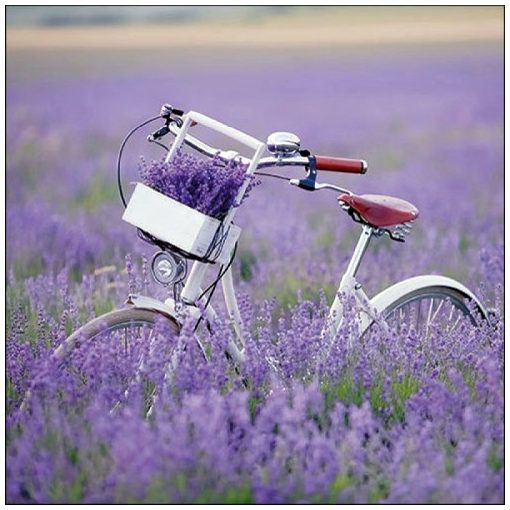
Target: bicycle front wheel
[[121, 357], [126, 323]]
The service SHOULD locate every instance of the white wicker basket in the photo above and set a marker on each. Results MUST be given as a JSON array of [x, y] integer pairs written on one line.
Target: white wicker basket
[[180, 225]]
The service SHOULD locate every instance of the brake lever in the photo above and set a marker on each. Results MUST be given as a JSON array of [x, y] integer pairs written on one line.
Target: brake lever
[[318, 186], [309, 183], [160, 133]]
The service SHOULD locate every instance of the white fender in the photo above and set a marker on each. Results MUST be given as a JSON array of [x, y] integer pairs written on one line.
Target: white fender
[[168, 309], [148, 303], [391, 294]]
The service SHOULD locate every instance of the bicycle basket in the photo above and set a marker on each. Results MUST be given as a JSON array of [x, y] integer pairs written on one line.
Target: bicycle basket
[[179, 225]]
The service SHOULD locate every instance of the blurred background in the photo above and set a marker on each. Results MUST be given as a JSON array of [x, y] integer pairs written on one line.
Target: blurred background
[[417, 91], [53, 39]]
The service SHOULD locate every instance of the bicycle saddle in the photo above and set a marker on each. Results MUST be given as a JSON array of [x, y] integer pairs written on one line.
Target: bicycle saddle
[[380, 210]]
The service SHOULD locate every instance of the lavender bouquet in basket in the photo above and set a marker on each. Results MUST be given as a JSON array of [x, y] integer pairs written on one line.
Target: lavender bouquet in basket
[[207, 185]]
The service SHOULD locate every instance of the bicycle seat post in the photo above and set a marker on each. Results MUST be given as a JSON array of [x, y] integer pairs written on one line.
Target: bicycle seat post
[[359, 251]]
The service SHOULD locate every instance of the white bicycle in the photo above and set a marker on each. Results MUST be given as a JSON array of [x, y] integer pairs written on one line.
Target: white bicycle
[[188, 238]]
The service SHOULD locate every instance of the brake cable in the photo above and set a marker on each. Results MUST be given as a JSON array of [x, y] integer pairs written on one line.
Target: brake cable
[[163, 146], [121, 150], [265, 174]]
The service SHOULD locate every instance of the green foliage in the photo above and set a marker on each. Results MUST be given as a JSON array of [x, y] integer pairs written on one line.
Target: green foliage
[[464, 244], [104, 305], [326, 239], [285, 290], [242, 495], [345, 390], [380, 491], [157, 491], [340, 483], [376, 396], [101, 190], [247, 261], [449, 453], [253, 404], [494, 460], [470, 380], [70, 487], [402, 391], [10, 391], [30, 268]]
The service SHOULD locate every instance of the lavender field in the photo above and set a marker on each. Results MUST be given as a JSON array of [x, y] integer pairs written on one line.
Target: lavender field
[[396, 419]]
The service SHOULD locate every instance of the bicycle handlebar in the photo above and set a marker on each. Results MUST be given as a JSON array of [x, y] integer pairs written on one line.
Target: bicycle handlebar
[[355, 166], [350, 166]]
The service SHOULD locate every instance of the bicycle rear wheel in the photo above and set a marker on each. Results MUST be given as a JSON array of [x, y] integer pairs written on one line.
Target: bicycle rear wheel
[[433, 307], [425, 330]]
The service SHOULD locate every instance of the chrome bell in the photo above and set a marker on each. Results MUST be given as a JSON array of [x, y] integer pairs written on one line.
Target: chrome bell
[[283, 144]]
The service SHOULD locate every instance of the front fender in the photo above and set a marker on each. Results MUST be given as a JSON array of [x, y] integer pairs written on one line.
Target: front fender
[[168, 308], [148, 303]]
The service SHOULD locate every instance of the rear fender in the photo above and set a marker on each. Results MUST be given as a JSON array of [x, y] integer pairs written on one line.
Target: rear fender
[[391, 294], [384, 299]]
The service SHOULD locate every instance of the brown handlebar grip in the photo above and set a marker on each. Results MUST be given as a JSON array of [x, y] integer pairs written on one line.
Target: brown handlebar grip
[[350, 166]]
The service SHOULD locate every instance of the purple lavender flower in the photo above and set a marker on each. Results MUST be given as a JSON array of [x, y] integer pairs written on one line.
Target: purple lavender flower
[[207, 185], [398, 418]]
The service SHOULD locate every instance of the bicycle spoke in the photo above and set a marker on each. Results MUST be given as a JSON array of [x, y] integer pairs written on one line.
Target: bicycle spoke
[[418, 316], [452, 309], [402, 315], [452, 329], [431, 307], [437, 311]]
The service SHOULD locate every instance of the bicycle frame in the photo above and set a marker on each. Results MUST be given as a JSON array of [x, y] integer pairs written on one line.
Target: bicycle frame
[[349, 286]]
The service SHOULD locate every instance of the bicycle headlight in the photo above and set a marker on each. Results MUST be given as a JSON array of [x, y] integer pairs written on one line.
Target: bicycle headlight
[[168, 268]]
